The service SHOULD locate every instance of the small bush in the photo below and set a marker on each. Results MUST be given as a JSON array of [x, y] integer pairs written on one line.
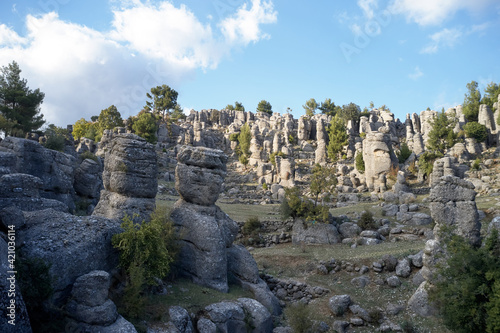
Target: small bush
[[360, 163], [56, 137], [477, 131], [366, 221], [251, 225], [476, 165], [285, 211], [426, 161], [264, 187], [122, 167], [88, 155], [234, 136], [146, 253], [403, 153], [362, 135], [291, 139]]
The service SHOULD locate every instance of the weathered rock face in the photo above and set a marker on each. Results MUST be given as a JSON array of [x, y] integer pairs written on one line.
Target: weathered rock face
[[88, 179], [378, 158], [206, 233], [199, 174], [130, 179], [55, 169], [72, 245], [23, 191], [453, 204], [90, 309]]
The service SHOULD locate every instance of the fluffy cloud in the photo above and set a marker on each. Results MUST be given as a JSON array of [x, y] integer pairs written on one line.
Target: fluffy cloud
[[368, 7], [82, 70], [443, 38], [434, 12]]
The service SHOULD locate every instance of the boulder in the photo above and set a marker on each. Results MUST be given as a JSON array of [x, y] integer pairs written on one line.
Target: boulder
[[71, 245], [403, 268], [379, 158], [419, 302], [452, 203], [88, 179], [129, 178], [349, 230], [339, 304], [180, 318], [199, 174], [317, 233]]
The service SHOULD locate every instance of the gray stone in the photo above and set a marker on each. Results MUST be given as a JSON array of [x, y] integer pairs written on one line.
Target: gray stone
[[88, 179], [349, 230], [102, 315], [92, 289], [205, 325], [417, 279], [228, 316], [242, 264], [340, 326], [370, 234], [417, 259], [393, 281], [180, 318], [419, 302], [403, 268], [339, 304], [120, 325], [55, 169], [360, 312], [420, 219], [12, 215], [71, 245], [390, 210], [360, 281], [199, 174], [260, 318], [318, 233], [390, 262]]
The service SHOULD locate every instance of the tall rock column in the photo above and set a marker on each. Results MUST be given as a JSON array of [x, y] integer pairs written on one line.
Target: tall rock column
[[130, 179], [378, 158], [205, 231]]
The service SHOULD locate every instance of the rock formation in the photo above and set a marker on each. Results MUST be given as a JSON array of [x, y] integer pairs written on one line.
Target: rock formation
[[91, 310], [53, 168], [379, 158], [130, 179], [206, 233]]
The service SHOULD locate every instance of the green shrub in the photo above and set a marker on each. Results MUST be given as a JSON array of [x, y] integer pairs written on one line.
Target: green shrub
[[88, 155], [285, 211], [251, 225], [294, 205], [291, 139], [476, 165], [468, 293], [362, 135], [403, 153], [426, 161], [147, 251], [366, 221], [477, 131], [264, 187], [56, 138], [234, 136], [360, 163]]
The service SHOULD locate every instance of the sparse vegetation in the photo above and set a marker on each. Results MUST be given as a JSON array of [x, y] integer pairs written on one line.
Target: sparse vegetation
[[366, 221], [299, 318], [403, 153], [476, 131], [56, 137], [146, 253], [360, 162]]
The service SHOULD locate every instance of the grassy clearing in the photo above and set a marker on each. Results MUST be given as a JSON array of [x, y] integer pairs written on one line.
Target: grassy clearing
[[241, 212], [194, 298]]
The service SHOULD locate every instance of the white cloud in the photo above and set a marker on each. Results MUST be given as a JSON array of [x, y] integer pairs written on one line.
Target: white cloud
[[444, 38], [417, 73], [368, 7], [82, 71], [434, 12], [244, 26]]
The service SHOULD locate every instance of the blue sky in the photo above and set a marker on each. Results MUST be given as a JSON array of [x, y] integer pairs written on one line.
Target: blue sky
[[408, 55]]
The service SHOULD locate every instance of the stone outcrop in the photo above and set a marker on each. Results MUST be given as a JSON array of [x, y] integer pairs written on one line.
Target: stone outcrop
[[90, 309], [452, 203], [71, 245], [129, 178], [206, 234], [317, 233], [54, 169], [23, 191], [379, 158], [88, 180]]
